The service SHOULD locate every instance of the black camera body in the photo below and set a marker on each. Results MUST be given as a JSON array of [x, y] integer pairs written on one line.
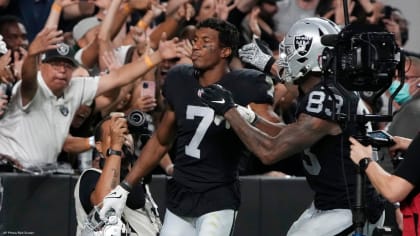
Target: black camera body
[[361, 59], [137, 123]]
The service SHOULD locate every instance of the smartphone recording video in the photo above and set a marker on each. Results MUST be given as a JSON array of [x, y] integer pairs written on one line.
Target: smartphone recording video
[[148, 88]]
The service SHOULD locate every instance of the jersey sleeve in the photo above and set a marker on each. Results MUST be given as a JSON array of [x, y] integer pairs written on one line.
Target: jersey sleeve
[[87, 186]]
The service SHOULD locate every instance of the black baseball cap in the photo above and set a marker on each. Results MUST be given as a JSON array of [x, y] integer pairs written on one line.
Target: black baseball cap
[[62, 52]]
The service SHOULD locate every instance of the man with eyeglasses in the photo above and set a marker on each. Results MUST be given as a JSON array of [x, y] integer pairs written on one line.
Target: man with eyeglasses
[[405, 121], [43, 103]]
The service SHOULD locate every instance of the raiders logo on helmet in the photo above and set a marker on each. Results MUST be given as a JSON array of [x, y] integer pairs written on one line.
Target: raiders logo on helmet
[[303, 44]]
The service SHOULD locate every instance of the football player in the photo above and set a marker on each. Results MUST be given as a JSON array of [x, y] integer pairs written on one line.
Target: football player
[[329, 170], [203, 195]]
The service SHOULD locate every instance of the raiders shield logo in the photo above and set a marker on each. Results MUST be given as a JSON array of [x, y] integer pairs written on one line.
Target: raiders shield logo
[[303, 44], [63, 49]]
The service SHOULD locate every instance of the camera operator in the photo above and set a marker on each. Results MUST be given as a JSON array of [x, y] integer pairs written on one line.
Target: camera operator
[[328, 167], [402, 186], [114, 146]]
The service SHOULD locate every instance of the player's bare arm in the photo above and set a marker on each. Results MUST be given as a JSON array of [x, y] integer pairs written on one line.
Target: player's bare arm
[[291, 139], [268, 121]]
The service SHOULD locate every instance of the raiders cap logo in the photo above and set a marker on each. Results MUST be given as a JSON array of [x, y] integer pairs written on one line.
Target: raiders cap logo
[[303, 44], [63, 49]]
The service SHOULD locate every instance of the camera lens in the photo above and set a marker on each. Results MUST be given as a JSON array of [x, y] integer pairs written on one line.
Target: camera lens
[[136, 118], [137, 122]]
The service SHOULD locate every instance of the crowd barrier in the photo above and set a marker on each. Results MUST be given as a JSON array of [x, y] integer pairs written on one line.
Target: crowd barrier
[[44, 205]]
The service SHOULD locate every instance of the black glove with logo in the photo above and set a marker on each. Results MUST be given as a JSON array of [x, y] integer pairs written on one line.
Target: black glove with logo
[[218, 98]]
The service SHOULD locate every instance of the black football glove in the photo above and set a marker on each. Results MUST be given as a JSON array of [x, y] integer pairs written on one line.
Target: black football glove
[[218, 98]]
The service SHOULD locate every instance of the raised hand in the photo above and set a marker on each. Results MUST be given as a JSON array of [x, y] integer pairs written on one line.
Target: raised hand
[[158, 8], [111, 61], [253, 54], [65, 3], [223, 9], [253, 22], [184, 51], [217, 97], [168, 48], [6, 73], [18, 58], [141, 4], [185, 11], [45, 40]]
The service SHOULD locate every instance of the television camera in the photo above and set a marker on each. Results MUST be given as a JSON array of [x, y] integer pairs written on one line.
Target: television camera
[[361, 59]]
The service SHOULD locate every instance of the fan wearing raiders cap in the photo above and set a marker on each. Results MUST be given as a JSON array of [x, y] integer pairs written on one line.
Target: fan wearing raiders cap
[[44, 102], [320, 139]]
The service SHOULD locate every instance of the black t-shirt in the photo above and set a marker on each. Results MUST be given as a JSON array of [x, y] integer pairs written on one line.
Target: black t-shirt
[[135, 199], [408, 168]]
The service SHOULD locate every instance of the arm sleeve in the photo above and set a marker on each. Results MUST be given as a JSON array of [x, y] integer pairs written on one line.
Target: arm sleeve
[[87, 186]]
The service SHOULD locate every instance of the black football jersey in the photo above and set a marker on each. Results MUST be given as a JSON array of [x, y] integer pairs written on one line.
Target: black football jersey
[[329, 170], [207, 150]]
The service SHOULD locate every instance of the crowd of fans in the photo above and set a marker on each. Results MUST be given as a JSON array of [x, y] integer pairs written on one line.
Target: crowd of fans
[[136, 29], [67, 65]]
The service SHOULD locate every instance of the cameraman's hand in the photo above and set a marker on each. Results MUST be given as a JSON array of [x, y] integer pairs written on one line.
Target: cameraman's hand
[[118, 130], [358, 151], [252, 54], [401, 144], [115, 200], [218, 98]]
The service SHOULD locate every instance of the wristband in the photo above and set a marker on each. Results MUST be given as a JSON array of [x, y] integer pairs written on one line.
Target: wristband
[[168, 167], [148, 61], [267, 68], [126, 186], [127, 9], [364, 162], [92, 142], [55, 7], [247, 114], [141, 24]]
